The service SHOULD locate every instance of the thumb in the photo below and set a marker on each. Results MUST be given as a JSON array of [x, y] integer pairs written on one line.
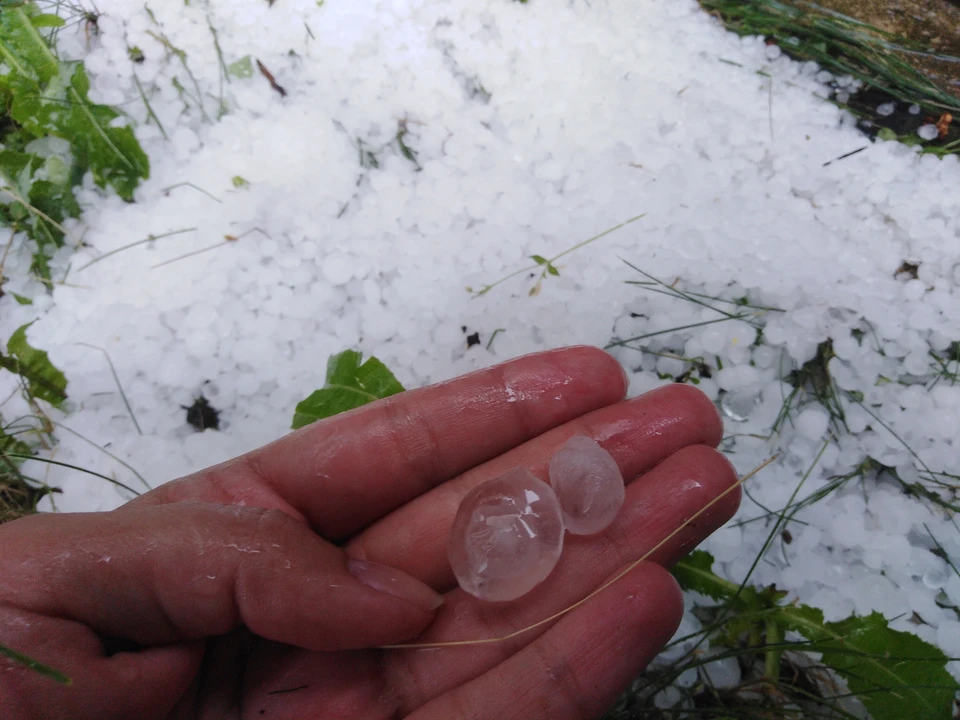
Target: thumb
[[184, 571]]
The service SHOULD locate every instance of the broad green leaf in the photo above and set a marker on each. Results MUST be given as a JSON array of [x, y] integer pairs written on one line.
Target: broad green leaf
[[35, 665], [43, 380], [23, 48], [242, 68], [112, 153], [552, 270], [349, 384], [41, 96], [895, 674], [47, 20], [49, 97], [21, 299]]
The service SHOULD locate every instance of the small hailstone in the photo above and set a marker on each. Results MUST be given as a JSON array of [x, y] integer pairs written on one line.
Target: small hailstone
[[812, 423], [885, 109], [928, 132], [914, 109], [723, 672], [588, 485], [338, 268], [506, 537], [738, 404]]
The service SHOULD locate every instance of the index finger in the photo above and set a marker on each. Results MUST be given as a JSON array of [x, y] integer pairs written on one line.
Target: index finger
[[343, 473]]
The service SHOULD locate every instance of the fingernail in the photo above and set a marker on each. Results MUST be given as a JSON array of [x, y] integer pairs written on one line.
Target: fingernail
[[394, 582]]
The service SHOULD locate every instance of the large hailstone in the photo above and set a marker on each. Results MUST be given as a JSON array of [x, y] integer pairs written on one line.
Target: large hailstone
[[588, 485], [507, 536]]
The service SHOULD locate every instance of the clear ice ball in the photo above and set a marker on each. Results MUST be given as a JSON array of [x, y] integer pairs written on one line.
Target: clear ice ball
[[588, 485], [507, 536]]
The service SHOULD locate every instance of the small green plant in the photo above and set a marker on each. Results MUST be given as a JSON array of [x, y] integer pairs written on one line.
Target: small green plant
[[52, 135], [895, 674], [846, 46], [547, 266], [43, 380], [350, 384], [18, 495], [39, 380]]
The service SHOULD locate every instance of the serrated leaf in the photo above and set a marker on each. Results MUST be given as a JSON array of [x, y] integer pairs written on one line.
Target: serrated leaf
[[50, 97], [43, 380], [895, 674], [44, 97], [695, 572], [350, 384], [112, 154], [24, 50], [242, 68]]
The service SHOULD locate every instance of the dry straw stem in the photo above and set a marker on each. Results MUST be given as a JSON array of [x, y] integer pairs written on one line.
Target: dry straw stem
[[618, 576]]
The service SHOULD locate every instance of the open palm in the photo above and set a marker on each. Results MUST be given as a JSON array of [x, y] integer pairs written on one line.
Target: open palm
[[226, 593]]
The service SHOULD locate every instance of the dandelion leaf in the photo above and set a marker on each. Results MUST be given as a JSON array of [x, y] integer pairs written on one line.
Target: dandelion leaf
[[49, 97], [42, 379], [896, 674]]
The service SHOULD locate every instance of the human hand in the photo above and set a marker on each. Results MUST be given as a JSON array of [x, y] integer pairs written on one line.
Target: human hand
[[227, 594]]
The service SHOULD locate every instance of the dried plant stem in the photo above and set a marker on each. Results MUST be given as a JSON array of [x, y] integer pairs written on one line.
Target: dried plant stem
[[617, 577]]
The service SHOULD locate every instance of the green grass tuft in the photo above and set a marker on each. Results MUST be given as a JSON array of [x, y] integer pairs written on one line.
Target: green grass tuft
[[880, 60]]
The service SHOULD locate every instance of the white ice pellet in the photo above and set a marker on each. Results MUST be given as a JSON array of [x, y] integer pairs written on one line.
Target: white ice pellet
[[812, 423], [725, 543], [928, 132], [723, 672], [338, 268], [948, 637]]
